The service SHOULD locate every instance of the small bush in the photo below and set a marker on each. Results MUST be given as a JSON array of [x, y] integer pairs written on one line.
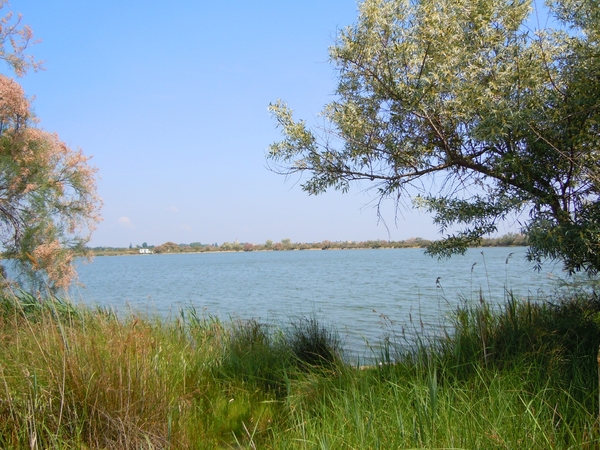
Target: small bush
[[313, 345]]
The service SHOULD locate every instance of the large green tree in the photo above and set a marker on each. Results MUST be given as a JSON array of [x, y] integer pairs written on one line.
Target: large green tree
[[468, 102], [48, 200]]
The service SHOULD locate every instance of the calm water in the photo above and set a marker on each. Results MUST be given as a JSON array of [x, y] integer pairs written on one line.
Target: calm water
[[363, 293]]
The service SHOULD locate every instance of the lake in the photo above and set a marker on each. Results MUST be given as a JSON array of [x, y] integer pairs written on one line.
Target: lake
[[364, 294]]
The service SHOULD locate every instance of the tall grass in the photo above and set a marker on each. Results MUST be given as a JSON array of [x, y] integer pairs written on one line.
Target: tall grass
[[523, 376], [79, 378]]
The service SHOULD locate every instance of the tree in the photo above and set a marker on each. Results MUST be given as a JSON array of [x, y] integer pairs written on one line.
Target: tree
[[48, 200], [15, 40], [167, 247], [483, 116]]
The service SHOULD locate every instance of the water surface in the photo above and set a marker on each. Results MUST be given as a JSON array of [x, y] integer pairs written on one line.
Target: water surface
[[363, 293]]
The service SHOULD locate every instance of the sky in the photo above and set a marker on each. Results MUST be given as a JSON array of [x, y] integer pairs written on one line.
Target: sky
[[171, 100]]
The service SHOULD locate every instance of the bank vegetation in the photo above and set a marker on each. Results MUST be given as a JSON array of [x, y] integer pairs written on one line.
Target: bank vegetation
[[507, 240], [523, 375]]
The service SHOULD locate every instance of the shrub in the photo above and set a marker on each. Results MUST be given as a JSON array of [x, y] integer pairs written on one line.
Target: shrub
[[313, 345]]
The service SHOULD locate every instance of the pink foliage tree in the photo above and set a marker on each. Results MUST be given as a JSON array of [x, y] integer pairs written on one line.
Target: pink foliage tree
[[48, 200]]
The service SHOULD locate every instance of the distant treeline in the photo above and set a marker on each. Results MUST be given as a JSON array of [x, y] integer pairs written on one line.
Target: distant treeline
[[510, 239]]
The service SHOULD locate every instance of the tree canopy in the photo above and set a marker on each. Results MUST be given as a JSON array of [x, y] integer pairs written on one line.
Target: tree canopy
[[48, 200], [468, 90]]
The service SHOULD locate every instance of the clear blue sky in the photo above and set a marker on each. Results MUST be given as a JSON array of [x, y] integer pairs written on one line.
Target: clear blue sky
[[171, 100]]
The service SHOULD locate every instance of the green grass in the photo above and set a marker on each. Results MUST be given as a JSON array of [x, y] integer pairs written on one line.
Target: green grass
[[522, 376]]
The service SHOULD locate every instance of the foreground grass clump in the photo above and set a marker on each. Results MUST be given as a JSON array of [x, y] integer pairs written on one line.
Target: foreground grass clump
[[80, 378], [524, 376]]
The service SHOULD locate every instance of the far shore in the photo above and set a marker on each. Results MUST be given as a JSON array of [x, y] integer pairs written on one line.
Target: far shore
[[509, 240]]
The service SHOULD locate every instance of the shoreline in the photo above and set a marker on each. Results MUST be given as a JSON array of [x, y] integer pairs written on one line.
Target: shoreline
[[133, 253], [260, 250]]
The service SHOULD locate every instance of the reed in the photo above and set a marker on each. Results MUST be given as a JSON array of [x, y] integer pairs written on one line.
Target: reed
[[524, 375]]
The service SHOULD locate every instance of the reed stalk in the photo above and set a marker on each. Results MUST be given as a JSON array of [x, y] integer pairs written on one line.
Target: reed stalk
[[74, 377]]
